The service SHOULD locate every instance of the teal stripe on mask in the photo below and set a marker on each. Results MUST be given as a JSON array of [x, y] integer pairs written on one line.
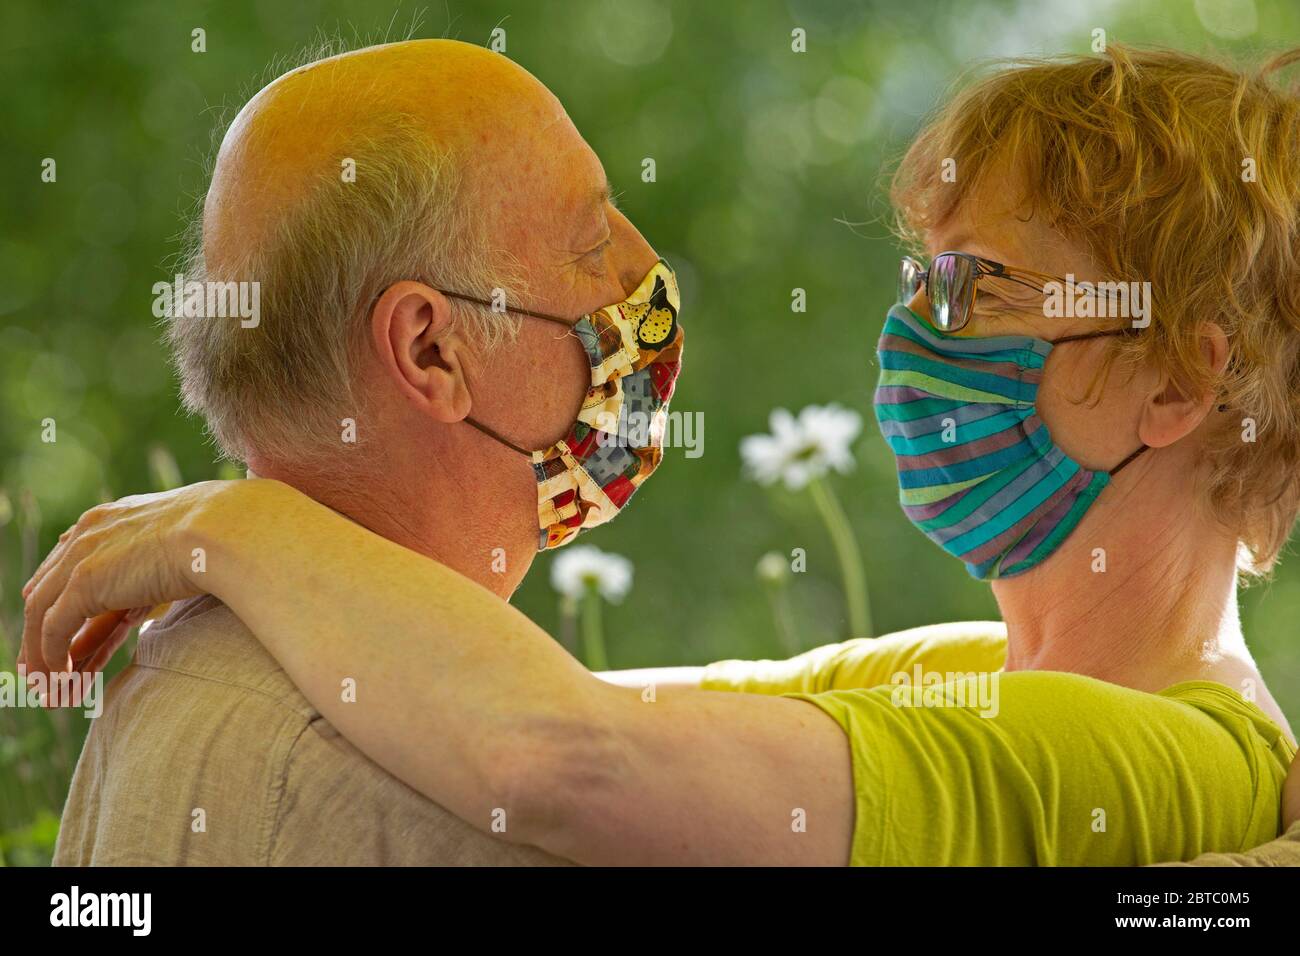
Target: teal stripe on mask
[[908, 443], [1051, 483], [1012, 389]]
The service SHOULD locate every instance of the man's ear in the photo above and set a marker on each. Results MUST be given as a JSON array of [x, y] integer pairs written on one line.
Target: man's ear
[[415, 339], [1171, 413]]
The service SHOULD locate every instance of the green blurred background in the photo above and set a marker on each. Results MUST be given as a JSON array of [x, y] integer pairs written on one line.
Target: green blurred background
[[762, 156]]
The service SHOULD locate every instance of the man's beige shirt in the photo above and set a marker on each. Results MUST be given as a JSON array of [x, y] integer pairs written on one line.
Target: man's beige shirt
[[207, 754]]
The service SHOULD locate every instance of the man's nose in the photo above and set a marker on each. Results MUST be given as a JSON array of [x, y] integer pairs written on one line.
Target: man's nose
[[635, 256]]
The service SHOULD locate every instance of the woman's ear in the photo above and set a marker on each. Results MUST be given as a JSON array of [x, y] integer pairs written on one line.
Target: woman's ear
[[1171, 412], [420, 350]]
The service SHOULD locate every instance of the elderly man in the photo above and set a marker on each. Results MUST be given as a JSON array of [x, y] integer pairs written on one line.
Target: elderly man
[[353, 190]]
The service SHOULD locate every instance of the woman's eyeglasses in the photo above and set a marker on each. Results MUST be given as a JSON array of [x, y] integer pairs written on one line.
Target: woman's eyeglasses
[[952, 282]]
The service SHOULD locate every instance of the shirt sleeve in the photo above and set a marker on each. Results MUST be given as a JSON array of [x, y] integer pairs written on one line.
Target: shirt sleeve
[[964, 646], [337, 807], [1284, 851], [1043, 768]]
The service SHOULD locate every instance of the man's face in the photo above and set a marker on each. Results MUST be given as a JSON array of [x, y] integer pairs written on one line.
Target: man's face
[[549, 202]]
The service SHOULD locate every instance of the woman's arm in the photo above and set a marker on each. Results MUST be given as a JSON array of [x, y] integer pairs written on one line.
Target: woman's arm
[[957, 647], [459, 694], [658, 678]]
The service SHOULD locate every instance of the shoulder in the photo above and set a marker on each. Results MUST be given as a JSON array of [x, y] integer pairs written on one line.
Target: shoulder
[[204, 640], [184, 761]]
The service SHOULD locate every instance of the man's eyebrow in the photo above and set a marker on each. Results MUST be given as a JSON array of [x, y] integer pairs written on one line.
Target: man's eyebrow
[[596, 202], [606, 194]]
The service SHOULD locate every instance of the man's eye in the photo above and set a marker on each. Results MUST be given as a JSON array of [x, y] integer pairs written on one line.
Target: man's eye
[[594, 261]]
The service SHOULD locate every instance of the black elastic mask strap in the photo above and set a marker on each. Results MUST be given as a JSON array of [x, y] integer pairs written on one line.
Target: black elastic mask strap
[[1083, 336], [1116, 470], [567, 323], [497, 437]]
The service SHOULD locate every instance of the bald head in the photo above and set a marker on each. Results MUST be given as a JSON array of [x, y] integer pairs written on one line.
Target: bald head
[[298, 131]]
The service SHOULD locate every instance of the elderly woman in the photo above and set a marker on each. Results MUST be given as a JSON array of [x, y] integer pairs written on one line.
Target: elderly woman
[[1110, 457]]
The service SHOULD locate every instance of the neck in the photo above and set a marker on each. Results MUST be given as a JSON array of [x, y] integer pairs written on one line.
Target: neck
[[440, 523], [1143, 603]]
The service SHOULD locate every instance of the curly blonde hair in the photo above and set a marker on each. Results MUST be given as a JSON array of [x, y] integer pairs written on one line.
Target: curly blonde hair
[[1173, 169]]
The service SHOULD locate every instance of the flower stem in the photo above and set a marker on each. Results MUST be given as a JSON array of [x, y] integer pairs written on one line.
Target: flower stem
[[569, 624], [846, 547], [778, 599], [593, 635]]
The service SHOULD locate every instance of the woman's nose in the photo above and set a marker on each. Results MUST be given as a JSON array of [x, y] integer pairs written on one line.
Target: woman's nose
[[920, 304]]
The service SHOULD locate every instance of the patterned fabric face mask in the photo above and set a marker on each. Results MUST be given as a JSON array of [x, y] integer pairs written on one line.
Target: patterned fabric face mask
[[978, 472], [635, 349]]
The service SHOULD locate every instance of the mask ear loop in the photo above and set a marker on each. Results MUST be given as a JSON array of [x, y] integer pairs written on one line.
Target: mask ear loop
[[1101, 335], [1223, 407], [567, 323], [1087, 335], [1116, 470], [498, 437]]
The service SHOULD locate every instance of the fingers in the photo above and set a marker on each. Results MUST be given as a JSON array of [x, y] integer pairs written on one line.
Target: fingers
[[74, 604], [94, 645], [87, 520], [37, 593], [94, 634], [68, 572], [1291, 795], [48, 560], [136, 615], [104, 652], [115, 556], [30, 654]]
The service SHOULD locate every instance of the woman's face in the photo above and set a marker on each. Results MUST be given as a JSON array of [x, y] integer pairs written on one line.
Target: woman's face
[[1099, 436]]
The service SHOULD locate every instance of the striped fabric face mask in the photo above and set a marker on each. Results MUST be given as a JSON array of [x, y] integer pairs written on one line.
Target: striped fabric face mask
[[978, 471]]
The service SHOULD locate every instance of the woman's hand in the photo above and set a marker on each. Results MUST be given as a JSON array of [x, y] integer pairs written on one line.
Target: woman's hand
[[129, 554], [1291, 795]]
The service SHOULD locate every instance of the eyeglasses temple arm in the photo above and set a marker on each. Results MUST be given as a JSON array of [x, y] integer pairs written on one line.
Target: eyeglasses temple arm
[[1019, 275]]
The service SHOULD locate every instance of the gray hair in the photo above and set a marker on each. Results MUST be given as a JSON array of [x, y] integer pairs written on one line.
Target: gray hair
[[281, 389]]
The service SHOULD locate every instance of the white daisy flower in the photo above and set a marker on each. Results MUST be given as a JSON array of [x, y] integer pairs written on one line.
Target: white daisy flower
[[579, 567], [801, 449], [772, 568]]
